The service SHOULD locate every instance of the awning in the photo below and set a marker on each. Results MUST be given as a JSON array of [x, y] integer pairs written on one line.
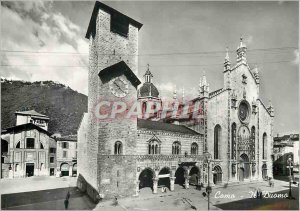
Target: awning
[[75, 167], [64, 167]]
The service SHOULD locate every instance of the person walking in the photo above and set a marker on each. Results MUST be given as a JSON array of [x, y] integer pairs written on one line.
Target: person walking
[[66, 203]]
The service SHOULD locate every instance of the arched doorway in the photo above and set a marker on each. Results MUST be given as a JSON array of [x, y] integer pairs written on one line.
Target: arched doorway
[[217, 175], [264, 171], [244, 170], [180, 176], [164, 178], [64, 169], [146, 179], [194, 176]]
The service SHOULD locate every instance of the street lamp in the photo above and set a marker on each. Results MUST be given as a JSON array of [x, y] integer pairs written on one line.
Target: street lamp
[[207, 159], [290, 161]]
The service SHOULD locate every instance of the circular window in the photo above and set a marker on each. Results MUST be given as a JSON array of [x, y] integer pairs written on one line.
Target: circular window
[[243, 111]]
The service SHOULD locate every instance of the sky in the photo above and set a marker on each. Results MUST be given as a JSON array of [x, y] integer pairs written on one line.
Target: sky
[[45, 40]]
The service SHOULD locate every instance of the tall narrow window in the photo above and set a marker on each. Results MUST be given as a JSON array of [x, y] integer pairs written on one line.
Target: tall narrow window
[[176, 148], [217, 141], [233, 141], [252, 147], [264, 146], [194, 149], [118, 148], [153, 147]]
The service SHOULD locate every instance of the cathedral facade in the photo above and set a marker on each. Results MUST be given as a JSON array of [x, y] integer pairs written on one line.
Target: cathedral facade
[[229, 141]]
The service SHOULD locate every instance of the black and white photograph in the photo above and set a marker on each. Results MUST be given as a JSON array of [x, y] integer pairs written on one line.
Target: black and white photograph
[[149, 105]]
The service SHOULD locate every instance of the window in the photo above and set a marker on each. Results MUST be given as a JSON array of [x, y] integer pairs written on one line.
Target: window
[[252, 146], [41, 146], [51, 159], [264, 146], [30, 143], [18, 145], [17, 167], [118, 148], [233, 141], [119, 24], [65, 145], [52, 150], [217, 141], [176, 148], [194, 149], [64, 154], [153, 147]]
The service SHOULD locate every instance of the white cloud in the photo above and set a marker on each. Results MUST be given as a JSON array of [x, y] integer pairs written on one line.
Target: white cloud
[[249, 39], [37, 28], [296, 59]]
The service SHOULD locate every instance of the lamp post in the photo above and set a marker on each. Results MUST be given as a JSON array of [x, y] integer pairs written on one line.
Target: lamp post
[[208, 188], [290, 161]]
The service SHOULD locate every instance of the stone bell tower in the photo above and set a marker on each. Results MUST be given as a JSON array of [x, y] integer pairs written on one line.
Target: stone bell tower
[[113, 63]]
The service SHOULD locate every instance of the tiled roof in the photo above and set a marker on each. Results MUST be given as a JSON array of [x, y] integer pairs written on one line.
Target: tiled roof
[[24, 127], [93, 20], [148, 90], [31, 113], [116, 70], [153, 125], [67, 138]]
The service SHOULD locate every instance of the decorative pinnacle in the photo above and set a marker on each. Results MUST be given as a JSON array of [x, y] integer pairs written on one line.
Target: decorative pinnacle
[[227, 55], [175, 93]]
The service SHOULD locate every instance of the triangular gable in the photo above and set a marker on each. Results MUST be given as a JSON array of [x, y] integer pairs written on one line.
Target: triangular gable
[[117, 70]]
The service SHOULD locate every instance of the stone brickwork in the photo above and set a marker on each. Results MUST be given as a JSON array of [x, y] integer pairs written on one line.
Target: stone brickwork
[[105, 172], [19, 155]]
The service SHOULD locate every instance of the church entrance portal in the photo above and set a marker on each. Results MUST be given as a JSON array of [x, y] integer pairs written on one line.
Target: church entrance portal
[[244, 170], [29, 169], [217, 175]]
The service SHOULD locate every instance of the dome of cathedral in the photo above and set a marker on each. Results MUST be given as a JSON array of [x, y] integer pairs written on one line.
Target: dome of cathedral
[[148, 90]]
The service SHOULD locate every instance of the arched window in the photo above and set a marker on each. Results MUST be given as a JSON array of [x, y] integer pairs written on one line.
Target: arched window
[[252, 146], [18, 145], [118, 148], [217, 141], [194, 149], [233, 141], [264, 152], [153, 147], [176, 148]]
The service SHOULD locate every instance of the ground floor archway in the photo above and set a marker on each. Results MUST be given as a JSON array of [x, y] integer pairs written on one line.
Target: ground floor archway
[[194, 175], [164, 177], [217, 175], [180, 176], [64, 169], [146, 178]]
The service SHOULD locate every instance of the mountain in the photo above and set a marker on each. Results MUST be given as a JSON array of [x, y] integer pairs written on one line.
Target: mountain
[[63, 105]]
